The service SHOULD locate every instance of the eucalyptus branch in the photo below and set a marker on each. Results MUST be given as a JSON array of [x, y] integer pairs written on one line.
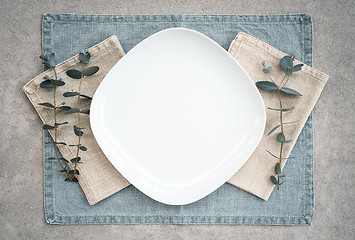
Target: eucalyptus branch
[[286, 64]]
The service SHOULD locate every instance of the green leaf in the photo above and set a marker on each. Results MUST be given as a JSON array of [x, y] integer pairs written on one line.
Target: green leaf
[[85, 96], [74, 74], [273, 180], [283, 110], [266, 85], [46, 104], [297, 68], [43, 57], [290, 91], [70, 94], [83, 148], [66, 108], [71, 172], [46, 84], [274, 129], [46, 127], [73, 160], [90, 70], [85, 111], [58, 124], [77, 131], [282, 138], [267, 70], [51, 60], [58, 82], [72, 110], [277, 168], [286, 63], [84, 57]]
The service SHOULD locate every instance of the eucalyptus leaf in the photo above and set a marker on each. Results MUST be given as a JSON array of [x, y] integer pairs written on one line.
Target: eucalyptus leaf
[[84, 57], [60, 143], [73, 160], [274, 129], [282, 138], [46, 104], [273, 179], [72, 110], [85, 111], [58, 82], [58, 124], [283, 110], [266, 85], [66, 108], [85, 96], [46, 84], [83, 148], [90, 70], [75, 179], [46, 127], [71, 172], [286, 63], [74, 74], [77, 131], [70, 94], [43, 57], [52, 158], [288, 73], [297, 68], [51, 60], [277, 168], [290, 91], [63, 170]]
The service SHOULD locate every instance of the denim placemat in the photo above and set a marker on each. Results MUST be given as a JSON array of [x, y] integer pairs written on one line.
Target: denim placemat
[[293, 204]]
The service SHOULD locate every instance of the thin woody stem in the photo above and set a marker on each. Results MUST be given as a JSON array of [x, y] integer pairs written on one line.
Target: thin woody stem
[[79, 126], [55, 124], [282, 143]]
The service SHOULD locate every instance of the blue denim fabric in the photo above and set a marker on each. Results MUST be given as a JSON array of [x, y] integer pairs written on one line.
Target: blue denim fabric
[[293, 204]]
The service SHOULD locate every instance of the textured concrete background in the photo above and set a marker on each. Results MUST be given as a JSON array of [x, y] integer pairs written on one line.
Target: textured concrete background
[[21, 172]]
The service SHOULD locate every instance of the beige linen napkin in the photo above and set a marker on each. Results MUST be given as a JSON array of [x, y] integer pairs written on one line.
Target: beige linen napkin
[[98, 178], [254, 176]]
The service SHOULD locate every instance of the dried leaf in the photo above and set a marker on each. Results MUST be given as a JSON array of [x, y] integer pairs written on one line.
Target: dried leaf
[[51, 60], [273, 179], [290, 91], [70, 94], [46, 127], [66, 108], [85, 111], [266, 85], [84, 57], [297, 68], [282, 138], [73, 160], [85, 96], [46, 84], [277, 168], [74, 74], [46, 104], [283, 110], [286, 63], [72, 110], [272, 130], [90, 70], [58, 83]]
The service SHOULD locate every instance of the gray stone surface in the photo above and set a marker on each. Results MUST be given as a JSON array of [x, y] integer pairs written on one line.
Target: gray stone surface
[[21, 172]]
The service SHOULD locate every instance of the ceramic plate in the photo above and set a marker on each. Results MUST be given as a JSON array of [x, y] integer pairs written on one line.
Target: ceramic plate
[[177, 116]]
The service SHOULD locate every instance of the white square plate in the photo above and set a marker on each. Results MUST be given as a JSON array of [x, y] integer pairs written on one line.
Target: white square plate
[[177, 116]]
